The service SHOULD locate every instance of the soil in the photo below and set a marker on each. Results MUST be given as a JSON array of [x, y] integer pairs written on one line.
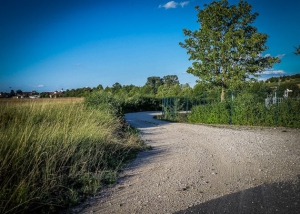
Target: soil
[[206, 169]]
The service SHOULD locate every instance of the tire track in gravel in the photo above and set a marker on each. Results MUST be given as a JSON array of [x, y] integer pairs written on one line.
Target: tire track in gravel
[[204, 169]]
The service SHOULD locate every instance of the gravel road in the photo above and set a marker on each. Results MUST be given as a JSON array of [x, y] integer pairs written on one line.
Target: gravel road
[[206, 169]]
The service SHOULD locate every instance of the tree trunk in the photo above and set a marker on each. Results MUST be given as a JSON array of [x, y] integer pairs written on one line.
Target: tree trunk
[[223, 95]]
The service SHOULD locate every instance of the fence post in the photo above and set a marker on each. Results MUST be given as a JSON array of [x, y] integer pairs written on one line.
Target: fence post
[[231, 105], [277, 107], [162, 106], [187, 104]]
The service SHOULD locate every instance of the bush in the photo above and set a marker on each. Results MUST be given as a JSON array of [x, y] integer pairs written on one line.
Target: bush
[[213, 113], [248, 109]]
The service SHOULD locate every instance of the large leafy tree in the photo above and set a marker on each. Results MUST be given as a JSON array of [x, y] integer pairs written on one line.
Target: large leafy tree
[[227, 49]]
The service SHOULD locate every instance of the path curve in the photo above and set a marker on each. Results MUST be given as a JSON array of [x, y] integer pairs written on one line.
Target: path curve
[[205, 169]]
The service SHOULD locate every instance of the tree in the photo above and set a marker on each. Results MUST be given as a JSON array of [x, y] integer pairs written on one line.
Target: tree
[[297, 50], [154, 83], [99, 87], [227, 50], [171, 80], [12, 93], [116, 87], [168, 91]]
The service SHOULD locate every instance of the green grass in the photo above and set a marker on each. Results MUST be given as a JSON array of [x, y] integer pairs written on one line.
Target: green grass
[[53, 154]]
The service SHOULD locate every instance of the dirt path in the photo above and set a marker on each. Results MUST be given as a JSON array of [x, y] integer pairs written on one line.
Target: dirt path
[[204, 169]]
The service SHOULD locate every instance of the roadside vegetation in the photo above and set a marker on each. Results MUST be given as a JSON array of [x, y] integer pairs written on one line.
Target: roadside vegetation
[[54, 153]]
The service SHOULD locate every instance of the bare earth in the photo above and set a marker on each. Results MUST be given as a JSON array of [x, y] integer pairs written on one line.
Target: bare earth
[[206, 169]]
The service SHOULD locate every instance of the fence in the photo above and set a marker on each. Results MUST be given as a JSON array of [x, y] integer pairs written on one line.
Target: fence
[[261, 107]]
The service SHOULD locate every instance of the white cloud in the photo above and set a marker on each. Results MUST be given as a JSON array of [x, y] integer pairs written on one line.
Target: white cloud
[[184, 3], [268, 72], [40, 86], [173, 4], [170, 4], [77, 64], [280, 56]]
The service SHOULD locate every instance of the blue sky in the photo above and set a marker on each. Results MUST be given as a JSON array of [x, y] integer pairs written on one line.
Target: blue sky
[[48, 45]]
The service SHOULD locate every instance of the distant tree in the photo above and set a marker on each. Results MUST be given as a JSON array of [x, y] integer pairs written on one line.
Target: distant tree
[[108, 89], [171, 80], [135, 91], [116, 87], [272, 79], [227, 50], [297, 52], [168, 91], [127, 88], [99, 87], [12, 93], [147, 90], [154, 82], [186, 90], [44, 95], [20, 92]]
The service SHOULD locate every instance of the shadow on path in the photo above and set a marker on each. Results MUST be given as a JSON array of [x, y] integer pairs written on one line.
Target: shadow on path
[[281, 198], [143, 120]]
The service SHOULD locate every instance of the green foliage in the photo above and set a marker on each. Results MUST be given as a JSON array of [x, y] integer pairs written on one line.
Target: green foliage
[[54, 154], [152, 84], [289, 114], [291, 86], [169, 91], [170, 80], [120, 104], [290, 78], [172, 108], [227, 49], [248, 108], [213, 113], [104, 101], [297, 50], [141, 103]]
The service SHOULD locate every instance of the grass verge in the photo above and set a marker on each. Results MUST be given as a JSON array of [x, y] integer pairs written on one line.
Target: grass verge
[[53, 154]]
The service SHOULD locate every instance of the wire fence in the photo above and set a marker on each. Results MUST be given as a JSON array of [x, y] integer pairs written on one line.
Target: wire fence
[[261, 107]]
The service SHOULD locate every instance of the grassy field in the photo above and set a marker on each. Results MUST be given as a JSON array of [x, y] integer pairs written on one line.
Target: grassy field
[[55, 152]]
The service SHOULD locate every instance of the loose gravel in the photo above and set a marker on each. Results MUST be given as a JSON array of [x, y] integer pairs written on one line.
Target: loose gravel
[[206, 169]]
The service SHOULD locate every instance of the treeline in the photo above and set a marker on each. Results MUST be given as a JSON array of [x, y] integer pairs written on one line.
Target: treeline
[[283, 78], [169, 86], [155, 87]]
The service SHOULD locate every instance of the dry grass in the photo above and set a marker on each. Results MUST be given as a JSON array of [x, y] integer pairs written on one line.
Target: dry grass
[[53, 100], [53, 152]]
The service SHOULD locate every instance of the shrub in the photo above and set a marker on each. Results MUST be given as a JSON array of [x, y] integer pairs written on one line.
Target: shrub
[[213, 113]]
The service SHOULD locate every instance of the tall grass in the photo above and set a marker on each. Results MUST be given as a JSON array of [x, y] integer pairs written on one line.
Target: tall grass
[[53, 154]]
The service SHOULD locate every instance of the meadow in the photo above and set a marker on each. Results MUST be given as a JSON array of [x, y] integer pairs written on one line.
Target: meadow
[[56, 152]]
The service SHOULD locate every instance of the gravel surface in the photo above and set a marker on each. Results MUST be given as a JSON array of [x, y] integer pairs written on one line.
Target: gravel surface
[[206, 169]]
